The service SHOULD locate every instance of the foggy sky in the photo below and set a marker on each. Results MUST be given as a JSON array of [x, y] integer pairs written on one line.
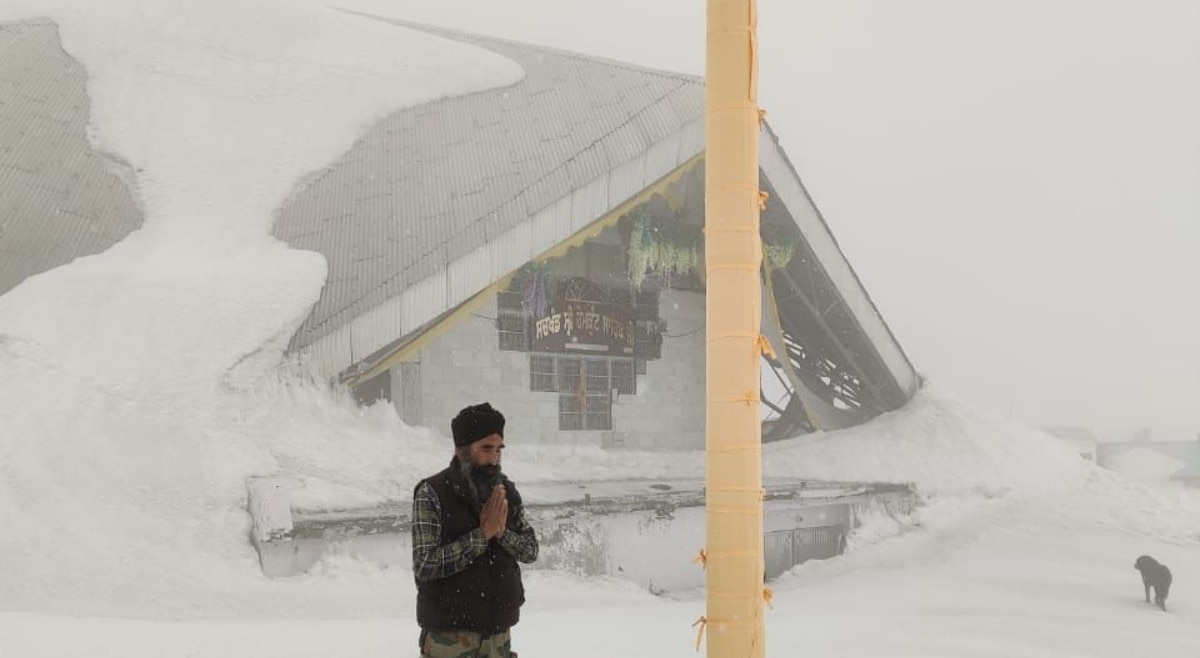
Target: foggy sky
[[1017, 184]]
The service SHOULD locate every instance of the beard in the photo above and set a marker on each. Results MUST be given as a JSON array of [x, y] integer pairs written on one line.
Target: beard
[[481, 478]]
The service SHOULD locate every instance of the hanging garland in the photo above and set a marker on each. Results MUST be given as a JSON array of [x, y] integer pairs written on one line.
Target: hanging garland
[[667, 248], [779, 244], [662, 248], [779, 255]]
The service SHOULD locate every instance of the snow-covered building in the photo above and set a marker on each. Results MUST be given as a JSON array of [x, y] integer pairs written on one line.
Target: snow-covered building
[[538, 245], [1154, 461]]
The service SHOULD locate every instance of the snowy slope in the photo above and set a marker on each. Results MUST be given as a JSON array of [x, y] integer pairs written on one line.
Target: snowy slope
[[137, 395], [939, 443], [1039, 578], [219, 108]]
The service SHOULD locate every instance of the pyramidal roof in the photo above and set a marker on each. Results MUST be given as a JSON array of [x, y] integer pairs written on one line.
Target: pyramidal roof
[[59, 198], [430, 206], [431, 184]]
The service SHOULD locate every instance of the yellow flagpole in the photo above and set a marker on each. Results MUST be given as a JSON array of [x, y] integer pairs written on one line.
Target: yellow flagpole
[[733, 256]]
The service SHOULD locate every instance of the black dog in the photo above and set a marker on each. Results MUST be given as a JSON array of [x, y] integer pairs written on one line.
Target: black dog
[[1157, 576]]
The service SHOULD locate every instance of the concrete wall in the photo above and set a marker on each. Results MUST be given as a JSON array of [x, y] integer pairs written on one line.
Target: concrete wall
[[464, 365], [654, 548]]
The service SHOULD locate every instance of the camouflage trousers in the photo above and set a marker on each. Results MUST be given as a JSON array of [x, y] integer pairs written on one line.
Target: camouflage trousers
[[465, 644]]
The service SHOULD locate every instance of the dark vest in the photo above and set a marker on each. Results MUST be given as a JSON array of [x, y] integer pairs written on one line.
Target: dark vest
[[487, 596]]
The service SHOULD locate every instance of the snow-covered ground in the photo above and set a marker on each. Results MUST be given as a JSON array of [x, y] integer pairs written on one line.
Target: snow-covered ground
[[1043, 576], [138, 395]]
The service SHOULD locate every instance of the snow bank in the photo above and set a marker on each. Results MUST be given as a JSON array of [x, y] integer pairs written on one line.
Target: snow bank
[[158, 498], [1144, 465], [137, 394], [938, 443]]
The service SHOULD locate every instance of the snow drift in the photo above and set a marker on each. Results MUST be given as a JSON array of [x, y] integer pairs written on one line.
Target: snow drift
[[127, 425]]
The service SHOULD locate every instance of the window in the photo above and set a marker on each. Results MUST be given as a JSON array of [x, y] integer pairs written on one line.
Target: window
[[570, 413], [568, 369], [584, 411], [511, 322], [598, 414], [645, 306], [595, 375], [647, 339], [541, 373], [623, 378], [585, 386]]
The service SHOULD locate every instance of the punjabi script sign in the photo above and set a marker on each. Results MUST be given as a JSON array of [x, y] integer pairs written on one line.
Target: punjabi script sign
[[586, 326]]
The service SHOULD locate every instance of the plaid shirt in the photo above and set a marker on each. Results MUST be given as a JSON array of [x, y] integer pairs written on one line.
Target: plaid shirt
[[433, 560]]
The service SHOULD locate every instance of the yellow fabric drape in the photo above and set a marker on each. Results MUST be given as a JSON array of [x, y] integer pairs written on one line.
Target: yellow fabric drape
[[733, 556]]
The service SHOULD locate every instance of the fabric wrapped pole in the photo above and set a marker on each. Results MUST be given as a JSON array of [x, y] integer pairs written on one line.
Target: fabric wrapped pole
[[733, 256]]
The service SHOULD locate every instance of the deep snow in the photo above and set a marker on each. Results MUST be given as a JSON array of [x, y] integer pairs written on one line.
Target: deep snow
[[139, 394]]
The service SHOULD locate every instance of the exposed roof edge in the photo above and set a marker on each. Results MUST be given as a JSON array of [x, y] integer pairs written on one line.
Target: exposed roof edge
[[774, 163], [536, 236], [429, 185], [437, 299]]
